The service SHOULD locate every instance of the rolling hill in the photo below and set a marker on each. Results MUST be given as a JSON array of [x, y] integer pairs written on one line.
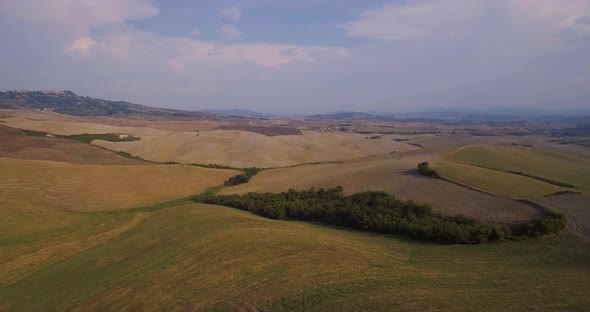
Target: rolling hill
[[190, 256], [69, 103]]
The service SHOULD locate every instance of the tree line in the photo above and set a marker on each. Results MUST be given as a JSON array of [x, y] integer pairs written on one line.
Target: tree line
[[383, 213], [243, 177], [85, 137]]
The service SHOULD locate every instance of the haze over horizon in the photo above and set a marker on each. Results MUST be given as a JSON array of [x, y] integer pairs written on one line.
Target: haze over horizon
[[303, 56]]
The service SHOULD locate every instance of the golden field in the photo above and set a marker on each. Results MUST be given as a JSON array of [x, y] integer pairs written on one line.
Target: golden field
[[101, 187], [226, 147]]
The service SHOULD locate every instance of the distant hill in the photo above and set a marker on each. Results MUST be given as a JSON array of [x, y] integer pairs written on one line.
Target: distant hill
[[491, 116], [355, 116], [343, 116], [236, 112], [69, 103]]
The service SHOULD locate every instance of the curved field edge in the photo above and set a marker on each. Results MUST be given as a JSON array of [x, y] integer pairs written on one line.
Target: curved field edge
[[576, 209], [571, 202], [494, 181], [201, 257], [543, 164]]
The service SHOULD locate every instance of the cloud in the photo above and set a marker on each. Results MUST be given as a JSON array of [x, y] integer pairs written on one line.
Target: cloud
[[554, 17], [81, 46], [180, 54], [98, 31], [230, 32], [418, 53], [233, 13], [414, 19], [419, 19], [78, 16]]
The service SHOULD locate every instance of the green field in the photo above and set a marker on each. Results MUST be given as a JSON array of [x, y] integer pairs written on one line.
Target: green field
[[545, 164], [183, 256], [498, 182]]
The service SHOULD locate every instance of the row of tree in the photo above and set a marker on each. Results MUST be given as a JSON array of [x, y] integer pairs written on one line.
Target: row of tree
[[381, 212], [242, 177]]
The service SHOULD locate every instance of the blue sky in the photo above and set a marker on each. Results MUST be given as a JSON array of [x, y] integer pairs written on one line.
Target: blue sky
[[303, 56]]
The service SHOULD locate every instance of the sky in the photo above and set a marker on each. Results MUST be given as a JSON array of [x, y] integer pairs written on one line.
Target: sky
[[303, 56]]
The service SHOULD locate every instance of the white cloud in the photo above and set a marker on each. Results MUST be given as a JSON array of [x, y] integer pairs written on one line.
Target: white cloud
[[230, 32], [180, 54], [444, 52], [418, 19], [81, 46], [233, 13], [78, 16], [272, 55], [553, 16], [74, 20], [414, 19]]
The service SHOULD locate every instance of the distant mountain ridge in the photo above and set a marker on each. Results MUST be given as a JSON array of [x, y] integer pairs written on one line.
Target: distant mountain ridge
[[69, 103], [359, 116], [236, 112], [495, 117]]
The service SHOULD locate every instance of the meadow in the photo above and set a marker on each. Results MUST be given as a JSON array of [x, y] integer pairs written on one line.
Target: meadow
[[187, 256], [546, 165]]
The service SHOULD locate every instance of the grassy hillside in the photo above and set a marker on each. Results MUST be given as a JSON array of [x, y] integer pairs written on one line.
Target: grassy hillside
[[495, 181], [246, 149], [16, 144], [74, 128], [543, 163], [193, 256], [92, 187], [69, 103], [82, 236], [525, 172]]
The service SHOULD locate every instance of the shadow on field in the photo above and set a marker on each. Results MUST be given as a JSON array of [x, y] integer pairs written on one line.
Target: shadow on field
[[397, 237], [411, 172]]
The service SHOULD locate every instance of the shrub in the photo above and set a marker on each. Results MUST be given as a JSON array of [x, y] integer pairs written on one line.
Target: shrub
[[425, 169]]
